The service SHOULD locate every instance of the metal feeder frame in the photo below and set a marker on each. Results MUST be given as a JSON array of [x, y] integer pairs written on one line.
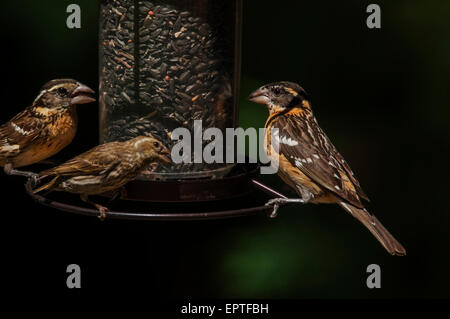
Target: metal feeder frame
[[253, 185]]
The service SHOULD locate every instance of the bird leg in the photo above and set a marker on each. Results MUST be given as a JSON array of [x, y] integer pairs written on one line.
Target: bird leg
[[9, 170], [277, 202], [102, 209]]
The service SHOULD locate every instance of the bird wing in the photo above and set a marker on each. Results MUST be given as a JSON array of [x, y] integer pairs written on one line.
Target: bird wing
[[18, 133], [307, 147], [100, 160]]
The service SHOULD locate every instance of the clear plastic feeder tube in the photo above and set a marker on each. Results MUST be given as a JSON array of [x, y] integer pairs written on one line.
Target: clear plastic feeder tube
[[165, 65]]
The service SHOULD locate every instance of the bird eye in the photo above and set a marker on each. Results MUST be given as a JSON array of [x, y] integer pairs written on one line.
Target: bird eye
[[62, 91], [277, 91], [155, 144]]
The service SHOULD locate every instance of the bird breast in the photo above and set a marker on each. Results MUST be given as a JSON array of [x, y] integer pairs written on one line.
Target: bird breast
[[55, 136]]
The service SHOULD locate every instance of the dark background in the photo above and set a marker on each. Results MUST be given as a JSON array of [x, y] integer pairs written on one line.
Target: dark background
[[381, 95]]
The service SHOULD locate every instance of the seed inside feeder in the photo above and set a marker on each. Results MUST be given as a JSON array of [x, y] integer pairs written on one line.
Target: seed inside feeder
[[177, 67]]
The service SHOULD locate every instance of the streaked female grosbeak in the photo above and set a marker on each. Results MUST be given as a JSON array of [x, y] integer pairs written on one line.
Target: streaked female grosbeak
[[104, 168], [308, 161]]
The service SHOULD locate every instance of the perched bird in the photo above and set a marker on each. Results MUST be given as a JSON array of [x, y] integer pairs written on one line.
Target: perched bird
[[104, 168], [44, 128], [308, 161]]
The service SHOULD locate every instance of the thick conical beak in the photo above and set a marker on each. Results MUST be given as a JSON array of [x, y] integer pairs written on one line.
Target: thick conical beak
[[82, 95], [165, 157], [259, 97]]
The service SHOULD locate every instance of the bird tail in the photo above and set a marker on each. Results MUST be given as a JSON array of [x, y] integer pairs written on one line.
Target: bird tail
[[376, 228], [49, 186]]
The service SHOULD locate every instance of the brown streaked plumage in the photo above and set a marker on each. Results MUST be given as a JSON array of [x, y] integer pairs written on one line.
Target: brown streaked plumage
[[104, 168], [44, 128], [309, 162]]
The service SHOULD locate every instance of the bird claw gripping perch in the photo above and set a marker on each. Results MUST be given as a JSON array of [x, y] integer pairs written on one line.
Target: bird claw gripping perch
[[277, 202], [102, 213], [34, 178]]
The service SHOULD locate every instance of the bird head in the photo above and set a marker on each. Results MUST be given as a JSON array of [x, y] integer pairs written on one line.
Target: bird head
[[63, 93], [281, 96], [151, 149]]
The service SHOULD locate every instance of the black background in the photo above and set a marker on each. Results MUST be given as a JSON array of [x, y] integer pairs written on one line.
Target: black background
[[382, 97]]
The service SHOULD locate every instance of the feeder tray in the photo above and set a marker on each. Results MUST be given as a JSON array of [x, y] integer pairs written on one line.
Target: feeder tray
[[237, 195]]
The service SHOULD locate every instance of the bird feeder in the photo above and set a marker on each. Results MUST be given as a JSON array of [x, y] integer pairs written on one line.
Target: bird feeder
[[165, 65]]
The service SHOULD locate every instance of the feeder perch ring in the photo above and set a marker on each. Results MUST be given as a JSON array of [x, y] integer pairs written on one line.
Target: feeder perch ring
[[261, 208]]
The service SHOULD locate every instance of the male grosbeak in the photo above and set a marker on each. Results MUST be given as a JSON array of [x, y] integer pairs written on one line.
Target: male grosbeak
[[308, 161], [44, 128], [104, 168]]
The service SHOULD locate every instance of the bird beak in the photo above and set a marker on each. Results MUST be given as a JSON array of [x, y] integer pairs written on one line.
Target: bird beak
[[166, 157], [259, 97], [82, 95]]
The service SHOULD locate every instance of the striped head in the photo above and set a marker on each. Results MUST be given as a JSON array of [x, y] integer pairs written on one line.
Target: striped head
[[63, 93], [281, 96], [151, 149]]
